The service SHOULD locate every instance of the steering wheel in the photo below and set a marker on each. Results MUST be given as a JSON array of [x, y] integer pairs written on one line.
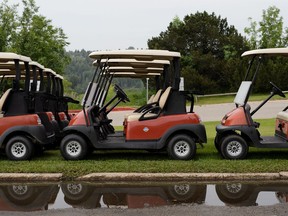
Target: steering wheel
[[277, 90], [120, 93]]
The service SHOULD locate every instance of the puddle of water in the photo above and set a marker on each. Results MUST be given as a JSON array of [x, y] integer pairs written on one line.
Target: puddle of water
[[35, 197]]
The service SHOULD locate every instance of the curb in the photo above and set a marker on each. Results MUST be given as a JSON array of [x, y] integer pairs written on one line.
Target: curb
[[138, 177], [31, 177]]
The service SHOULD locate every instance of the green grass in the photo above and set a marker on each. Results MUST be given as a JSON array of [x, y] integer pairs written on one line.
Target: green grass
[[137, 97], [207, 160]]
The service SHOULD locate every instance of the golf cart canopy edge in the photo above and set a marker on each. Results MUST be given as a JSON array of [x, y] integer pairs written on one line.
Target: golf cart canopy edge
[[132, 63], [5, 57], [140, 55], [269, 51]]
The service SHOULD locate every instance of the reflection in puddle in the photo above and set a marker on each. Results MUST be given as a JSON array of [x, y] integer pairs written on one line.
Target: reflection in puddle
[[27, 197], [36, 197], [240, 194], [131, 196]]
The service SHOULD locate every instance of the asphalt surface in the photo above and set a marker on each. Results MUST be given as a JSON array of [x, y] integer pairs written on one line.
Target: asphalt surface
[[216, 112], [183, 210]]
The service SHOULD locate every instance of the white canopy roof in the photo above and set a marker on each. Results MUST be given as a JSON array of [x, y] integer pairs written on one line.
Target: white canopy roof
[[48, 70], [134, 63], [135, 75], [270, 51], [134, 70], [9, 67], [7, 56], [33, 63], [59, 76], [141, 55]]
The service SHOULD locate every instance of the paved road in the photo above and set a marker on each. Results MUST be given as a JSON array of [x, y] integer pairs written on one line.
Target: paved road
[[183, 210], [215, 112]]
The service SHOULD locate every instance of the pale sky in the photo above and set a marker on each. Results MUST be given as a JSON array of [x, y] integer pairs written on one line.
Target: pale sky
[[118, 24]]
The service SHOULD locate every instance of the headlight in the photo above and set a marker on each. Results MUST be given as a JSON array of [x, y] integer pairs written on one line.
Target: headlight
[[39, 120], [223, 121]]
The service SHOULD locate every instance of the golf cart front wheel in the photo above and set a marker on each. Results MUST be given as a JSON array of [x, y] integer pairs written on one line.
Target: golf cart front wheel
[[234, 147], [216, 143], [19, 148], [73, 147], [181, 147]]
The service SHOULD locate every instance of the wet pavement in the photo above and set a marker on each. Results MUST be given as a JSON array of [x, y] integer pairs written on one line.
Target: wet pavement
[[31, 197]]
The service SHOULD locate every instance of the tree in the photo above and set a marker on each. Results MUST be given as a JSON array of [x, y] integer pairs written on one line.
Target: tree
[[270, 33], [8, 25], [210, 51], [33, 35]]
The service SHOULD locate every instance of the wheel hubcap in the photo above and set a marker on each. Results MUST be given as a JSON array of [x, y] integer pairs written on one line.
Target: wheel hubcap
[[234, 188], [73, 148], [20, 189], [181, 189], [234, 148], [74, 188], [18, 149], [181, 148]]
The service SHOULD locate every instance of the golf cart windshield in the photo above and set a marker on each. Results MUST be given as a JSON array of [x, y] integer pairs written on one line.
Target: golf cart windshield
[[133, 63], [242, 93], [253, 70]]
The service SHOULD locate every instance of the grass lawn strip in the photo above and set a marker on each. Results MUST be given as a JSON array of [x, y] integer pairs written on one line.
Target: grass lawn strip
[[207, 160]]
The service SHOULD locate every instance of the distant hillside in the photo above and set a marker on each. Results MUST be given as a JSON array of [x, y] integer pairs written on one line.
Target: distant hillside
[[80, 71]]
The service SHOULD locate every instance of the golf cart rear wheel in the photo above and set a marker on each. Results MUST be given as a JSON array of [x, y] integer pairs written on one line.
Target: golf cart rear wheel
[[181, 147], [19, 148], [234, 147], [73, 147]]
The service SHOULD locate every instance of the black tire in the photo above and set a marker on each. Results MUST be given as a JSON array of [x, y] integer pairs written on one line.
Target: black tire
[[19, 148], [21, 195], [181, 147], [182, 192], [234, 193], [76, 192], [234, 147], [216, 143], [73, 147]]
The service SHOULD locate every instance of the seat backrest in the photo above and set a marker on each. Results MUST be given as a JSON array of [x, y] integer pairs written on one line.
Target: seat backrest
[[4, 98], [282, 115], [151, 99], [164, 97], [157, 96]]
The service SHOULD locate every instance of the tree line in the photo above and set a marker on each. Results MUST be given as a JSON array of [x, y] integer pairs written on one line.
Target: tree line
[[210, 48], [31, 34]]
